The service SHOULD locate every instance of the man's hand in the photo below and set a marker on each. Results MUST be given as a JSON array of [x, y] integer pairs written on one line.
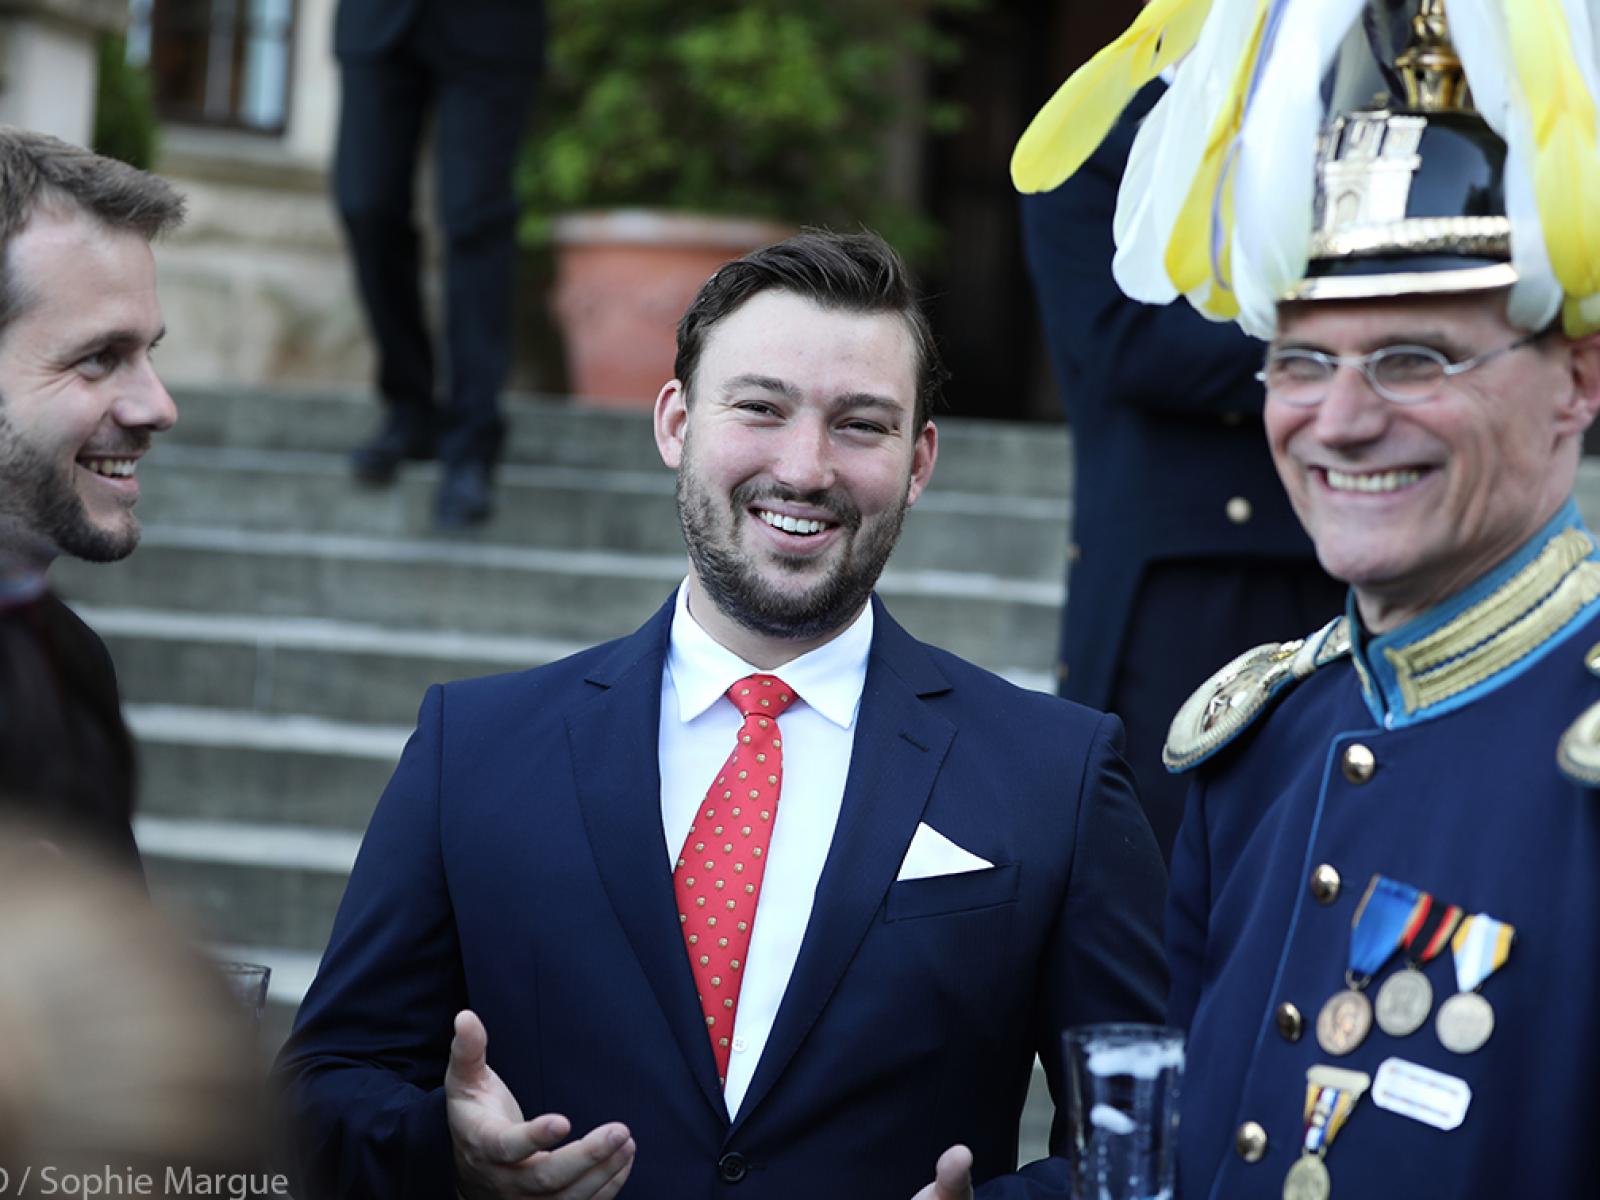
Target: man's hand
[[498, 1154], [952, 1177]]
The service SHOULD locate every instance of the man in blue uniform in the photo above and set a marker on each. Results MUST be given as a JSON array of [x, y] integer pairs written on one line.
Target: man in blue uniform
[[1386, 882], [1384, 892]]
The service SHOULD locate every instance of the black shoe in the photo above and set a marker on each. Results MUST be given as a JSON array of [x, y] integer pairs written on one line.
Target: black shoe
[[464, 496], [378, 460]]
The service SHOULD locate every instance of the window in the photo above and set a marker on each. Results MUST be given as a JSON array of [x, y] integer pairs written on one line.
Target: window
[[216, 62]]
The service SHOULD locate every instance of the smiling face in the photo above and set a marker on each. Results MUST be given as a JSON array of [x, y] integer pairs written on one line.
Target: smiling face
[[1411, 503], [79, 399], [796, 462]]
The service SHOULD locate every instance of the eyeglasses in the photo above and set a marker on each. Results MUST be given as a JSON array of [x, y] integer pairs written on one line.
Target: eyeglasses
[[1400, 374]]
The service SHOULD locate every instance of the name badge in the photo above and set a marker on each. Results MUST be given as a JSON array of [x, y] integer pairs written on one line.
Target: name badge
[[1422, 1094]]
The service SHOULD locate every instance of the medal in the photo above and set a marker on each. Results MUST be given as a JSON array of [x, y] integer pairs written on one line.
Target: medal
[[1344, 1022], [1308, 1179], [1331, 1095], [1387, 910], [1406, 998], [1465, 1022], [1480, 947]]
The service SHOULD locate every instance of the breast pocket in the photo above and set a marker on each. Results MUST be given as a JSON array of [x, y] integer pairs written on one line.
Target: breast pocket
[[940, 895]]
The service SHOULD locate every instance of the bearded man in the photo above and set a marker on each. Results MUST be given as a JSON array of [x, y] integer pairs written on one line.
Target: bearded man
[[79, 403], [905, 880]]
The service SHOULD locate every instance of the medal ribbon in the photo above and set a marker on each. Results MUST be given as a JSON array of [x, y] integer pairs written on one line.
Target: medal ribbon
[[1481, 946], [1331, 1095], [1386, 912], [1432, 933]]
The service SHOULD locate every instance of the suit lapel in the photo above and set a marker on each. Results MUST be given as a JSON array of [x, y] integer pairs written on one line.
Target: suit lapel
[[619, 794], [899, 747]]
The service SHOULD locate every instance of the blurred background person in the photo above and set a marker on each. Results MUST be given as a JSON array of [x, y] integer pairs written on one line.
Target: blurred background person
[[472, 66], [1185, 550], [121, 1050]]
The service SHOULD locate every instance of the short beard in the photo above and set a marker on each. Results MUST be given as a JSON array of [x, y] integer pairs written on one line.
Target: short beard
[[38, 505], [739, 592]]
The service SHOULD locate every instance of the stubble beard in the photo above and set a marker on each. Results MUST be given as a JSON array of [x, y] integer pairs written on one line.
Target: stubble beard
[[737, 588], [39, 503]]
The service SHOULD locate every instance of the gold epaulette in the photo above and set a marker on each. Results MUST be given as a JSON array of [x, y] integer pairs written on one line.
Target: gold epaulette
[[1226, 704], [1578, 752]]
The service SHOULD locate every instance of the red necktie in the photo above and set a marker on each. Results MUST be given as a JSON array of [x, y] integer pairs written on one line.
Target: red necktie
[[718, 876]]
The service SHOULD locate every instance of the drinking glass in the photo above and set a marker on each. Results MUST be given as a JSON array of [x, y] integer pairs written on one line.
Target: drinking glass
[[248, 983], [1122, 1110]]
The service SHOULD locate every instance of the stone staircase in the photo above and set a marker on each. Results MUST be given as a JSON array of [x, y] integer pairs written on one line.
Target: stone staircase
[[278, 625]]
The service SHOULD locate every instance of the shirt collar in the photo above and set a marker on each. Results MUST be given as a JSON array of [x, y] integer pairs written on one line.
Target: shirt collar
[[20, 582], [829, 679], [1485, 635]]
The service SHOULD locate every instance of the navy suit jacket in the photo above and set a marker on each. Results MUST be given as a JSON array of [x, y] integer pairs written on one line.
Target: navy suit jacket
[[1166, 418], [516, 863]]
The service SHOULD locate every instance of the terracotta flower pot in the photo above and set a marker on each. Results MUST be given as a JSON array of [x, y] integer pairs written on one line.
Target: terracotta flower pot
[[623, 278]]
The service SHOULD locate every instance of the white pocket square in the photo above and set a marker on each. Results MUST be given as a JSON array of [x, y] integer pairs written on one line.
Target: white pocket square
[[932, 854]]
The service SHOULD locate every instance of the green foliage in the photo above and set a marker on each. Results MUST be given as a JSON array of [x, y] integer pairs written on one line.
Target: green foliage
[[752, 107], [124, 113]]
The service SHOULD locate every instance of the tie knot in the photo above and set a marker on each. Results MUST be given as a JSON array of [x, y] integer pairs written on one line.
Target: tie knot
[[761, 695]]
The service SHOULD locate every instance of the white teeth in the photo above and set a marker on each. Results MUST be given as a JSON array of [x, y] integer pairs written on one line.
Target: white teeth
[[1376, 481], [114, 468], [802, 525]]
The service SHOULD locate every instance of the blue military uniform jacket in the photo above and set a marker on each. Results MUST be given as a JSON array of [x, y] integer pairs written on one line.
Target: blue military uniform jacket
[[1457, 754]]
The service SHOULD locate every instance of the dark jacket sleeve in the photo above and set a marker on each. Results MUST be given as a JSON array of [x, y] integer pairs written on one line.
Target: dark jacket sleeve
[[1187, 906], [361, 1077], [1107, 963]]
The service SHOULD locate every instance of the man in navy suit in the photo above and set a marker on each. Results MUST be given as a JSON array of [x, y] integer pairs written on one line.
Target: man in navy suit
[[472, 65], [957, 871]]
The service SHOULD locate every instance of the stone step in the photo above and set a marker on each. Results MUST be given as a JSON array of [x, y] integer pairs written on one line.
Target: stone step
[[575, 595], [558, 507], [256, 769], [343, 670], [243, 884], [1002, 458]]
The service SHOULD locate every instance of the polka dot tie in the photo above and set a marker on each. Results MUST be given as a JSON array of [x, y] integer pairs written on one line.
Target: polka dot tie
[[718, 877]]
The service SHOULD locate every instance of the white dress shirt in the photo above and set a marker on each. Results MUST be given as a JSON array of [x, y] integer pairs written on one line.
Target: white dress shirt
[[698, 728]]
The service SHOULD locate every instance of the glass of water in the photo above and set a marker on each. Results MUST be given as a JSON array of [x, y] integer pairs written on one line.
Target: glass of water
[[1122, 1110], [248, 984]]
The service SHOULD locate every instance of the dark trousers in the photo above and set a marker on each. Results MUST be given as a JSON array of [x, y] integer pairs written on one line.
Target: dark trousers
[[1189, 618], [479, 113]]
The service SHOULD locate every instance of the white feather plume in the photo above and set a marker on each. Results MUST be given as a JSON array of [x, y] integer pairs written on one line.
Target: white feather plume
[[1169, 148], [1478, 32], [1276, 173]]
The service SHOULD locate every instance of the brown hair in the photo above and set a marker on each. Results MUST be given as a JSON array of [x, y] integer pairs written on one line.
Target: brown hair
[[39, 171], [856, 272]]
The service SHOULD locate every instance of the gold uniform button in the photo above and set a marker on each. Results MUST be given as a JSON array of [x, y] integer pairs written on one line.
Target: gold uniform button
[[1239, 510], [1325, 884], [1251, 1142], [1358, 763], [1290, 1023]]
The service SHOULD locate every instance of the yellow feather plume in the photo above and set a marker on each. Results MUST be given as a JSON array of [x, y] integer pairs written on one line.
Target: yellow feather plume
[[1077, 118], [1566, 155], [1206, 219]]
